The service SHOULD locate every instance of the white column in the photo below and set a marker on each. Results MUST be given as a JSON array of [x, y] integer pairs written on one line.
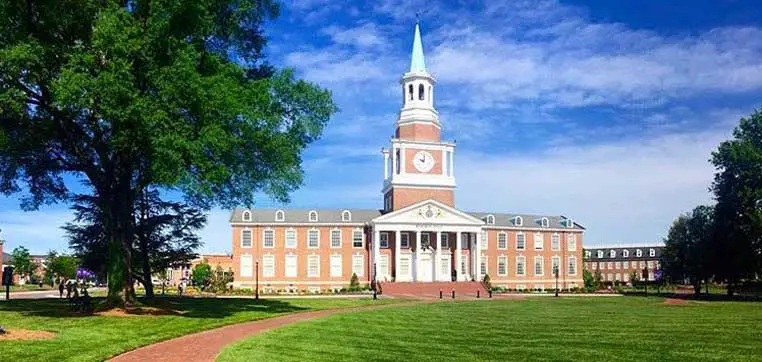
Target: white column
[[386, 163], [417, 253], [452, 163], [478, 249], [376, 252], [438, 256], [402, 160], [457, 256], [397, 249], [445, 156]]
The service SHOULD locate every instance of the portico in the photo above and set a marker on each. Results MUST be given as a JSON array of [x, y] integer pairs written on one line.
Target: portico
[[426, 242]]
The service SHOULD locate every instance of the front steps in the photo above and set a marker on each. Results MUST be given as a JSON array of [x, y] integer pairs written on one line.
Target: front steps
[[430, 290]]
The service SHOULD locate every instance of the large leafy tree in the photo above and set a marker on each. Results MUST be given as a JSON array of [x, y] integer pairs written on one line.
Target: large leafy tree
[[60, 266], [688, 247], [123, 95], [165, 235], [738, 190], [22, 262]]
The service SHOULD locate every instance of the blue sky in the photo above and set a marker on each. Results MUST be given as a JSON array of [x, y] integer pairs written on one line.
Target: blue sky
[[605, 111]]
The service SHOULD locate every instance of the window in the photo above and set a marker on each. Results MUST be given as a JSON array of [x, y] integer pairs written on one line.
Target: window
[[425, 240], [335, 266], [313, 216], [593, 265], [357, 239], [445, 241], [383, 265], [618, 265], [569, 223], [588, 254], [358, 264], [600, 254], [538, 241], [538, 266], [268, 239], [463, 264], [618, 276], [555, 242], [335, 238], [291, 267], [545, 222], [490, 220], [651, 253], [625, 253], [444, 266], [502, 265], [405, 267], [650, 264], [502, 240], [603, 266], [518, 221], [410, 91], [483, 265], [520, 265], [246, 216], [404, 240], [384, 242], [639, 253], [610, 265], [291, 238], [642, 265], [346, 215], [612, 253], [484, 241], [313, 266], [280, 215], [626, 265], [420, 92], [571, 242], [268, 266], [520, 241], [313, 239], [246, 239], [247, 266], [555, 264]]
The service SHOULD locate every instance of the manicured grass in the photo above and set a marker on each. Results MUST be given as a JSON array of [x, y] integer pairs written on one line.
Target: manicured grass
[[95, 338], [540, 328]]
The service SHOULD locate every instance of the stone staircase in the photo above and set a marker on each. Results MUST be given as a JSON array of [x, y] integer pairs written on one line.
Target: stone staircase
[[430, 290]]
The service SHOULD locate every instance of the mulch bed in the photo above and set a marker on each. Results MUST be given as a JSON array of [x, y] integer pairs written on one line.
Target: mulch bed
[[25, 335], [675, 301], [138, 311]]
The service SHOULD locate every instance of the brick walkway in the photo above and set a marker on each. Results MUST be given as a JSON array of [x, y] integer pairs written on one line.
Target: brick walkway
[[205, 346]]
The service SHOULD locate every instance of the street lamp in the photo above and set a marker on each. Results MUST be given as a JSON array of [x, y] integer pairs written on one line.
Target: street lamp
[[555, 272], [375, 281], [256, 278]]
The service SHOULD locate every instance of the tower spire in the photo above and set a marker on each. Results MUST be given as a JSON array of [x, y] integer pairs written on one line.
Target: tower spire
[[417, 64]]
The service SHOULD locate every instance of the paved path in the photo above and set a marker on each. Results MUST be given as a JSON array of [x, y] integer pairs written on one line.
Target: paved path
[[205, 346], [41, 294]]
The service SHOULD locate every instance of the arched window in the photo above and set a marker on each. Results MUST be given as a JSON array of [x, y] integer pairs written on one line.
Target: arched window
[[280, 215], [518, 221], [420, 92], [246, 216], [313, 216], [490, 220], [410, 90], [625, 253], [612, 253], [545, 222], [346, 216]]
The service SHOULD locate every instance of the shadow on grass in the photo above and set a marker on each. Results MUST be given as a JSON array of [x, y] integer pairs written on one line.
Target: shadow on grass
[[701, 297], [184, 307]]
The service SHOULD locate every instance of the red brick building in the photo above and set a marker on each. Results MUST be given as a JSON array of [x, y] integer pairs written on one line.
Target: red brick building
[[616, 264], [418, 235]]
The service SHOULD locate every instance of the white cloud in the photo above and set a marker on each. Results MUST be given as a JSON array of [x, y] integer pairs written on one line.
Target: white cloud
[[38, 231], [366, 35]]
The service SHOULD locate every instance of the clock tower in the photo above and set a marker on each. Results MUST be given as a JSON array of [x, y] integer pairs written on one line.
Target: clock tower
[[419, 165]]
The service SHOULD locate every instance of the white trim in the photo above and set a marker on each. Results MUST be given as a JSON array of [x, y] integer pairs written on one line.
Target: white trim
[[309, 257], [362, 238], [505, 236], [521, 260], [542, 265], [490, 219], [518, 220], [346, 212], [309, 216], [251, 238], [469, 219], [265, 258], [285, 238], [244, 215], [331, 266], [318, 238], [331, 238], [282, 215], [545, 222], [306, 223], [247, 272], [528, 228], [516, 244], [361, 267], [383, 235], [295, 268], [505, 262], [541, 240], [264, 238], [555, 238]]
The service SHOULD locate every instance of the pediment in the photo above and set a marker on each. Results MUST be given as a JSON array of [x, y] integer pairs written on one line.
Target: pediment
[[428, 212]]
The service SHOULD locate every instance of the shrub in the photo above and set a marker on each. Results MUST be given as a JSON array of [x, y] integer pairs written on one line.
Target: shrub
[[354, 283], [486, 282]]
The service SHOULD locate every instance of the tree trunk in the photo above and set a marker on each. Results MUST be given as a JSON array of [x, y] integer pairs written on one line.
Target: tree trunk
[[119, 216], [146, 265], [697, 287]]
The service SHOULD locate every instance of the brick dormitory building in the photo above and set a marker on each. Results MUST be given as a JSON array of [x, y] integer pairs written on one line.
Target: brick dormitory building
[[618, 263], [417, 236]]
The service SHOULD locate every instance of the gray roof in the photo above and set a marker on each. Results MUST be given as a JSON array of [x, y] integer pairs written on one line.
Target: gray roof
[[619, 253], [366, 215], [302, 215]]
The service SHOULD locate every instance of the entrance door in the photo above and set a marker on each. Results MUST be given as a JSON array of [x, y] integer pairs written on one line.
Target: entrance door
[[425, 268]]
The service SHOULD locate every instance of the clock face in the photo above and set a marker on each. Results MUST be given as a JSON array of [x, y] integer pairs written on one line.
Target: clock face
[[423, 161]]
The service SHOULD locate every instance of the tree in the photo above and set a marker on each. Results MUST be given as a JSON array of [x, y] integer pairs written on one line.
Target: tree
[[220, 279], [124, 95], [589, 279], [22, 261], [60, 266], [737, 187], [688, 247], [354, 282], [201, 275], [164, 235]]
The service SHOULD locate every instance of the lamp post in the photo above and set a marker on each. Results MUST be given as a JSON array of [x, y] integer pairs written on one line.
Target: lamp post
[[375, 281], [555, 272], [256, 279]]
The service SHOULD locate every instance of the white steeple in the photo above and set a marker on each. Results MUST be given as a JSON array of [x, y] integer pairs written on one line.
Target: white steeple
[[417, 87]]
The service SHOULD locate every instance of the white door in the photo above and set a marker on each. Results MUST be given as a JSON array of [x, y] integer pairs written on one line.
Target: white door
[[445, 274], [424, 270]]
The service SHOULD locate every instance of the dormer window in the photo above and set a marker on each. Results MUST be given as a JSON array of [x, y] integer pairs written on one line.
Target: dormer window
[[346, 215], [280, 215], [612, 253], [545, 222], [246, 216], [587, 254], [639, 253], [651, 253], [600, 254], [569, 223], [490, 220], [313, 216], [518, 221], [625, 253]]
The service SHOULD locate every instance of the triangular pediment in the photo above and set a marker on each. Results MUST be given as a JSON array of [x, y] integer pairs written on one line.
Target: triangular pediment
[[429, 212]]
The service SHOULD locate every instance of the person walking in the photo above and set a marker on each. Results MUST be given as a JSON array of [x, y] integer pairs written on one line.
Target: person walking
[[60, 288]]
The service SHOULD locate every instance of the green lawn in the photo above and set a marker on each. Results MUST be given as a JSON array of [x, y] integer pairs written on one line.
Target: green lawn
[[95, 338], [540, 328]]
